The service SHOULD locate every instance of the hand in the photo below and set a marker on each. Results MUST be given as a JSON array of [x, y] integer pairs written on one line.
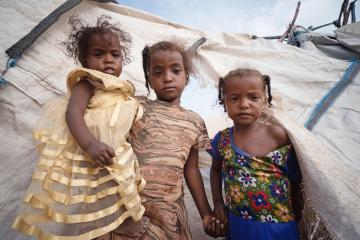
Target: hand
[[213, 227], [101, 153], [220, 213]]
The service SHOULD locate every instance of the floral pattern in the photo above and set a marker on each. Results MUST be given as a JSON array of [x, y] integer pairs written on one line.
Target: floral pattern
[[256, 188]]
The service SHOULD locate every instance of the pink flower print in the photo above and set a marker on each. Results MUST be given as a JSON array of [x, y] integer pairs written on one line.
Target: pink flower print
[[275, 171], [259, 200], [277, 191], [246, 179]]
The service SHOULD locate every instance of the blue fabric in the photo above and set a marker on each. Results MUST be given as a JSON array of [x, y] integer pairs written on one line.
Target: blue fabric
[[242, 229], [292, 165]]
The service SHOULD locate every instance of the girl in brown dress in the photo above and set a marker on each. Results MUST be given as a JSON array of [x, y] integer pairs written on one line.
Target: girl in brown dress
[[166, 141]]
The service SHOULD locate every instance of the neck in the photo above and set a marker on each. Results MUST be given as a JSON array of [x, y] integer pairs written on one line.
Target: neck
[[175, 102], [246, 129]]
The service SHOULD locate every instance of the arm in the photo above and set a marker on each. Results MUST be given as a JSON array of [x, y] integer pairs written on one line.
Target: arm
[[195, 183], [80, 97], [216, 190]]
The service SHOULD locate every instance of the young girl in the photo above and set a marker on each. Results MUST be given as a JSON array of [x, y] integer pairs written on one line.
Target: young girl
[[86, 182], [166, 141], [251, 158]]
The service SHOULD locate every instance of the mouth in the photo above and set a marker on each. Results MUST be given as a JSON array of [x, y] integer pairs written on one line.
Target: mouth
[[244, 115], [109, 70], [169, 88]]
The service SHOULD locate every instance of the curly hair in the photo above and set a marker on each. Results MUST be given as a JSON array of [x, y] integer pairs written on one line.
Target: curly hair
[[163, 46], [243, 72], [77, 43]]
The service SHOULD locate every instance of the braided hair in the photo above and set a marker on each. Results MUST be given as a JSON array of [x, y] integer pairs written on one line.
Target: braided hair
[[242, 72], [164, 46]]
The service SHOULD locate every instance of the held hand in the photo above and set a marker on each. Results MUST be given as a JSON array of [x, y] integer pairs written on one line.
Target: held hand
[[220, 213], [213, 227], [101, 153]]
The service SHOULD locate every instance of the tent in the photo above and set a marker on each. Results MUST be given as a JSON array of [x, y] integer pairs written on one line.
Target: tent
[[305, 83]]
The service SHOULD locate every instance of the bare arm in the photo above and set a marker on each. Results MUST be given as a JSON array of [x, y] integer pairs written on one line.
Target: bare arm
[[80, 97], [195, 183], [216, 190]]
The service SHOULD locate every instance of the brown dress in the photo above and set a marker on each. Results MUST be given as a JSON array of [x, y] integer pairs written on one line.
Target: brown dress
[[162, 140]]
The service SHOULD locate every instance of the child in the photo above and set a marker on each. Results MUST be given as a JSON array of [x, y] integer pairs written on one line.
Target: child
[[166, 141], [86, 182], [251, 157]]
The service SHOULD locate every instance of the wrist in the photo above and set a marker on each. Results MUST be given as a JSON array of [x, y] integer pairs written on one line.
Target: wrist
[[89, 145], [219, 203]]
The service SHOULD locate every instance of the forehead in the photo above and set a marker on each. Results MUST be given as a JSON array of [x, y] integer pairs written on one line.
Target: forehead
[[245, 83], [104, 39], [166, 57]]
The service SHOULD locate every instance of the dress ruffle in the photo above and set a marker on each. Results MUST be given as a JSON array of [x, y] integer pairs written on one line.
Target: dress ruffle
[[70, 197]]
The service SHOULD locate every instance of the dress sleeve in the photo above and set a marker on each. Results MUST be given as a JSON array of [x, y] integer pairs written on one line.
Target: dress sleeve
[[214, 151], [293, 166], [202, 141]]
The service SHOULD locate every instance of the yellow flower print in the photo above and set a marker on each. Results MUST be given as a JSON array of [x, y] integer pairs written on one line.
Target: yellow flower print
[[235, 193], [255, 164], [227, 153], [283, 213], [263, 177]]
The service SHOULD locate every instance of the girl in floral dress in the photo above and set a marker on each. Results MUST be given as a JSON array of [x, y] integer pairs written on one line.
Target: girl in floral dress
[[252, 158]]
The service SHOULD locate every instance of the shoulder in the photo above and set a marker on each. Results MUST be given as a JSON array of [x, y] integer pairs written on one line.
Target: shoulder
[[279, 134], [194, 115], [143, 100]]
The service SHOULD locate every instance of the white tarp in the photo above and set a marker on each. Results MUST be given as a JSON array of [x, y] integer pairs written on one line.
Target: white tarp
[[300, 79]]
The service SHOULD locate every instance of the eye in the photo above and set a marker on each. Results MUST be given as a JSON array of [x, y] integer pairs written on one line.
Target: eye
[[156, 72], [177, 71], [98, 54], [117, 55], [233, 98]]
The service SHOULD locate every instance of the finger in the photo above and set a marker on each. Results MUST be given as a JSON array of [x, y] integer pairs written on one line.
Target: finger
[[217, 227], [222, 229], [102, 160], [98, 163], [213, 225], [111, 152], [208, 224], [107, 158]]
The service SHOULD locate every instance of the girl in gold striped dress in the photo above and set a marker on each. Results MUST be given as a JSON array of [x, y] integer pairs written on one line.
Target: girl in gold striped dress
[[87, 179]]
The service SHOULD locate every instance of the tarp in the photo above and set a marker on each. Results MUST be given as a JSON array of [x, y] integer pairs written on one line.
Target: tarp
[[300, 80]]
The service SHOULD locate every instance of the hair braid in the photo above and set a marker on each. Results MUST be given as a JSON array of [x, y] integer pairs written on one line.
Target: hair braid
[[145, 57], [267, 83]]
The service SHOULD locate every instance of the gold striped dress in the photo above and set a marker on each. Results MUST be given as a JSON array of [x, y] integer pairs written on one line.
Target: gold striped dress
[[70, 197]]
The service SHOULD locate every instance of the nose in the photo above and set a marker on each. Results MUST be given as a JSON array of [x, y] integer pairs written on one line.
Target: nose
[[243, 103], [168, 77], [108, 58]]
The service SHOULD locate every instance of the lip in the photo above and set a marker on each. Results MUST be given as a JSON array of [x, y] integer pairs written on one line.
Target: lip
[[169, 88], [109, 70], [244, 115]]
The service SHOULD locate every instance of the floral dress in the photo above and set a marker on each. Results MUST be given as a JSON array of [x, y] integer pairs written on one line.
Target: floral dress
[[257, 191]]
